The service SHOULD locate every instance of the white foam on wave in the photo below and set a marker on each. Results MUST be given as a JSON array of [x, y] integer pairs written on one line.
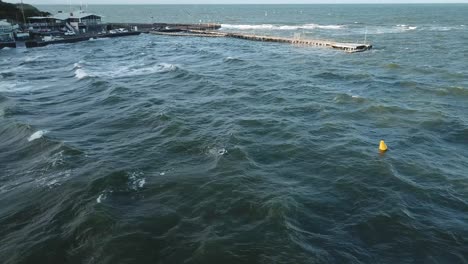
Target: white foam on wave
[[406, 27], [377, 30], [100, 198], [217, 152], [31, 59], [80, 74], [136, 181], [37, 135], [446, 28], [103, 195], [136, 70], [97, 39], [280, 27], [54, 180], [166, 67]]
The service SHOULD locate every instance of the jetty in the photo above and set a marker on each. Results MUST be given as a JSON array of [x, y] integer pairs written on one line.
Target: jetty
[[348, 47], [165, 27]]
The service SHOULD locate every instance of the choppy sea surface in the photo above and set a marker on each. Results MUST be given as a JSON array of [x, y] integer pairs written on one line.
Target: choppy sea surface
[[155, 149]]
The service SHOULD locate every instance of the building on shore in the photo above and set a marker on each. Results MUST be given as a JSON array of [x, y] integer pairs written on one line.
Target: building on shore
[[77, 22]]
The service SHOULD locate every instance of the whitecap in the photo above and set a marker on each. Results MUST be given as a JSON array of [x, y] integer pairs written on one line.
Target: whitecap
[[54, 179], [136, 181], [231, 59], [80, 74], [218, 152], [31, 59], [97, 39], [101, 197], [141, 183], [166, 67], [37, 135], [314, 26], [136, 70], [222, 151], [280, 27], [406, 27]]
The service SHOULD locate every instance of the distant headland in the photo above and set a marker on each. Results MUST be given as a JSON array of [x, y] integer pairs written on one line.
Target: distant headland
[[14, 13]]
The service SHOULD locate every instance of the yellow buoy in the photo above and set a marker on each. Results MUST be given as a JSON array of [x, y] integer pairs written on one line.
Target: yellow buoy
[[382, 146]]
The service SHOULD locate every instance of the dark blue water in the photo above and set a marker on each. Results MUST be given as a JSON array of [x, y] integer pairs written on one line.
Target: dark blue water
[[154, 149]]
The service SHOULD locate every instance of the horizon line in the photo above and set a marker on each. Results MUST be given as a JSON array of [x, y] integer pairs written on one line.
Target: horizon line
[[383, 3]]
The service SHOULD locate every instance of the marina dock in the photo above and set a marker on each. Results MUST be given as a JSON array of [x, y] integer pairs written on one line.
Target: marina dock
[[348, 47], [173, 27]]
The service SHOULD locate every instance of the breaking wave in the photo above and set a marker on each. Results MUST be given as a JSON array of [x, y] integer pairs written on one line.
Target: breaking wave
[[81, 74], [280, 27], [37, 135]]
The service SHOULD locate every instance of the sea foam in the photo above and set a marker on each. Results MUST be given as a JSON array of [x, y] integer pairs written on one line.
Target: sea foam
[[80, 74], [37, 135], [280, 27]]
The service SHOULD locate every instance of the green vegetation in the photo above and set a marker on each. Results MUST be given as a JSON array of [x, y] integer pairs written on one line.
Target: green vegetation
[[12, 12]]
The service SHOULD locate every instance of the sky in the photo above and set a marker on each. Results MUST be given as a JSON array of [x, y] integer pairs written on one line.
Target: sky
[[77, 2]]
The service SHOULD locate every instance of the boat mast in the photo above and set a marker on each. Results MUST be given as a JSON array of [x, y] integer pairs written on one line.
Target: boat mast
[[22, 11]]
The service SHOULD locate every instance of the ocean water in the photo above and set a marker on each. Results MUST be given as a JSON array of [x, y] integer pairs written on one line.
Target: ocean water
[[156, 149]]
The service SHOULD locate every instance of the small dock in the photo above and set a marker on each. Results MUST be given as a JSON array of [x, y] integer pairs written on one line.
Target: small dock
[[348, 47]]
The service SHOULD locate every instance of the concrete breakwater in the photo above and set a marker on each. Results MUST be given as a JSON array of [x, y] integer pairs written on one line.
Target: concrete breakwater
[[348, 47], [168, 27]]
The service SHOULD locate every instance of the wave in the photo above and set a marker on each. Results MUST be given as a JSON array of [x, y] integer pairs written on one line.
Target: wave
[[37, 135], [98, 39], [446, 28], [232, 60], [280, 27], [349, 98], [6, 75], [137, 70], [377, 30], [454, 91], [81, 74], [406, 27]]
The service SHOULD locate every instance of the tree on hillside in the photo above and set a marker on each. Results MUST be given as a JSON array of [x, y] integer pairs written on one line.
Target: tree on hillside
[[12, 12]]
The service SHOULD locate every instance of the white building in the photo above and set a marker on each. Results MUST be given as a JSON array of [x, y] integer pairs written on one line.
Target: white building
[[80, 20], [6, 31]]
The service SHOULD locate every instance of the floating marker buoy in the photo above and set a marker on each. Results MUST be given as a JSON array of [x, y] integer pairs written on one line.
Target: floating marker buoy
[[382, 146]]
